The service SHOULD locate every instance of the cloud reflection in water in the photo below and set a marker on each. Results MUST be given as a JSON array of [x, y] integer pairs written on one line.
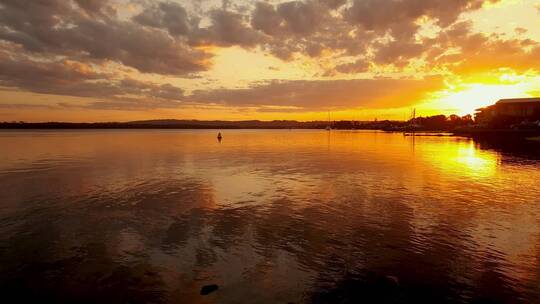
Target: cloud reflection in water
[[270, 216]]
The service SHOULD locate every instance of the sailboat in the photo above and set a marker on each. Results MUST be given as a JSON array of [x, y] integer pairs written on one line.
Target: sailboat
[[413, 125], [328, 126]]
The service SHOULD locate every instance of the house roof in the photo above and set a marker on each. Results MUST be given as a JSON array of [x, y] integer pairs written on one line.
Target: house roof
[[519, 100], [510, 101]]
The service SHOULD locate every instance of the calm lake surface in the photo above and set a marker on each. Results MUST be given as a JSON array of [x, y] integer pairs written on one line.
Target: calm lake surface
[[150, 216]]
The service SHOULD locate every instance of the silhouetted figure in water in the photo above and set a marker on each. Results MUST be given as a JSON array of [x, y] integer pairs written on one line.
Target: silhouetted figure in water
[[219, 137]]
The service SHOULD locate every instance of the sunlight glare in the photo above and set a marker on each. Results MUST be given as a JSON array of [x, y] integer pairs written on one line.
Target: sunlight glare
[[473, 96]]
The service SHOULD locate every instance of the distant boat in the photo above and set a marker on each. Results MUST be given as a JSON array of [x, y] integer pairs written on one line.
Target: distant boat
[[413, 126], [219, 137], [328, 126]]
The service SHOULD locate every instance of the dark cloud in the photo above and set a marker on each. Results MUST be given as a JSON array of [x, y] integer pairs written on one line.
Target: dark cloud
[[359, 66], [146, 50], [305, 28], [63, 46], [384, 14], [81, 80], [398, 53], [56, 28], [166, 38], [266, 18], [325, 94], [227, 29], [301, 17], [96, 7], [399, 20], [166, 15], [309, 28]]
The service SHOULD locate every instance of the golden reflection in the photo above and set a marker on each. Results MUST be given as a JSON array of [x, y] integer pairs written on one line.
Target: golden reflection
[[478, 162], [460, 158], [273, 207]]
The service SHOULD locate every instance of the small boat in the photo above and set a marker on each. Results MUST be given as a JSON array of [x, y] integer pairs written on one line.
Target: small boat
[[219, 137], [328, 126]]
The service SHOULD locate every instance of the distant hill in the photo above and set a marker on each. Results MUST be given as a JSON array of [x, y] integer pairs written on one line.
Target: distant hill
[[231, 124], [171, 124]]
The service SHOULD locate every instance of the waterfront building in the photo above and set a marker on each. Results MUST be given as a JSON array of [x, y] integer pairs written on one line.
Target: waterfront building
[[510, 110]]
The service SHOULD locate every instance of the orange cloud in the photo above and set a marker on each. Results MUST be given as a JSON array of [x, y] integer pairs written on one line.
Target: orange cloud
[[325, 94]]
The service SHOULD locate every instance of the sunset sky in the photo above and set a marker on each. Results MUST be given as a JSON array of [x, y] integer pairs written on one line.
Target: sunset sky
[[122, 60]]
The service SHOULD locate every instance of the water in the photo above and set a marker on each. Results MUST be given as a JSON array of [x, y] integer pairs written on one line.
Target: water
[[269, 216]]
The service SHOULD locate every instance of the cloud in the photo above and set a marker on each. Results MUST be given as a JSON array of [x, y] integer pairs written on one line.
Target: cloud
[[305, 28], [301, 17], [398, 53], [359, 66], [266, 18], [476, 52], [227, 29], [384, 32], [385, 14], [166, 38], [520, 30], [73, 78], [56, 28], [130, 104], [294, 17], [167, 15], [96, 7], [64, 47], [24, 106], [324, 94]]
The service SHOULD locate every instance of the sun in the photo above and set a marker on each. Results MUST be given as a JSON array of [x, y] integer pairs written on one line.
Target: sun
[[469, 97]]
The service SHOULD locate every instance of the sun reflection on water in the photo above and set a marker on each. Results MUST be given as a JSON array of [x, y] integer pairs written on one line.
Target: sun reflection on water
[[463, 158], [270, 216]]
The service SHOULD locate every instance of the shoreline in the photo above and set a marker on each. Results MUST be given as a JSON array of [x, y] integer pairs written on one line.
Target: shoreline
[[530, 134]]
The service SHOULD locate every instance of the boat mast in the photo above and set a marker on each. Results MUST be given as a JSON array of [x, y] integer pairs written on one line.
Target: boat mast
[[328, 127]]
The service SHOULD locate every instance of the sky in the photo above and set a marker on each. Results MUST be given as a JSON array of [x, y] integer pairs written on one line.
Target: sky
[[124, 60]]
